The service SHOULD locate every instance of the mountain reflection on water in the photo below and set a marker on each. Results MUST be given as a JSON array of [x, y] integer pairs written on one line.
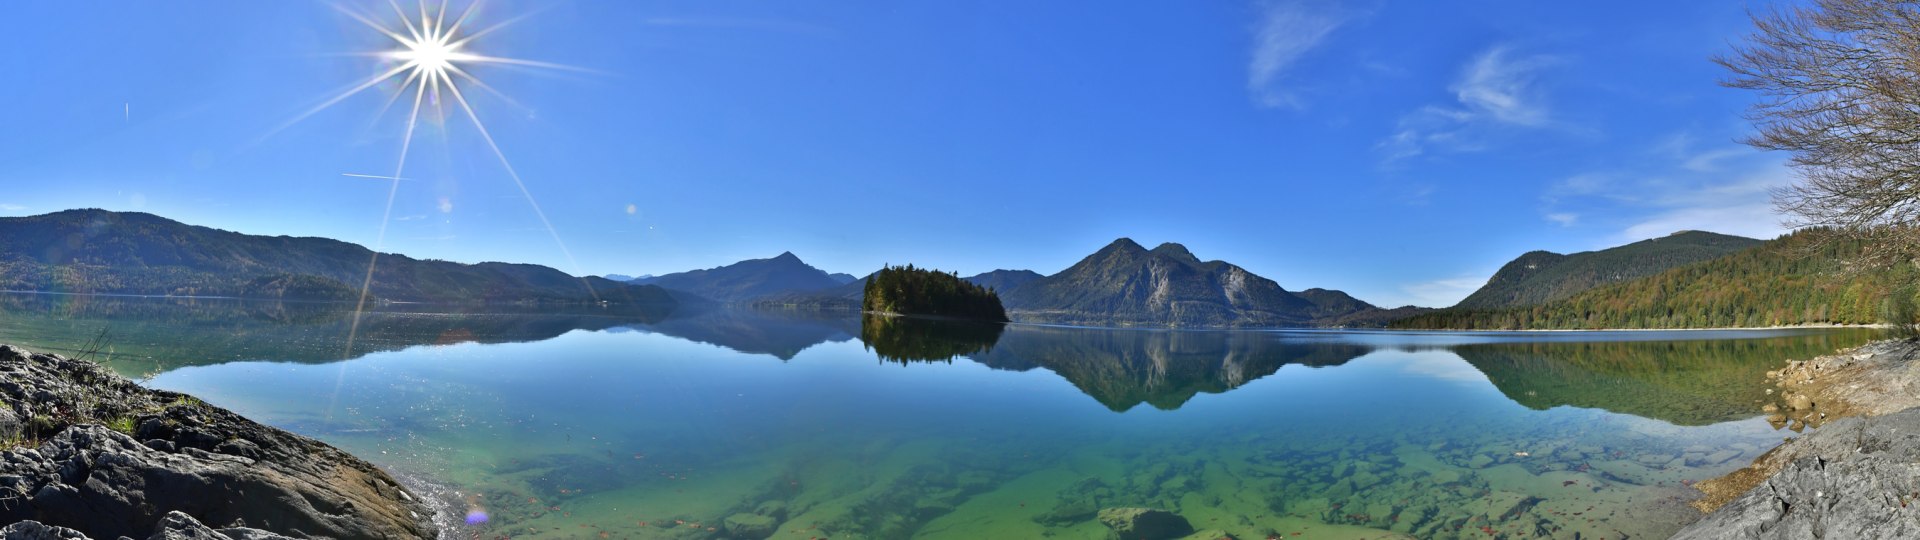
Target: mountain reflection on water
[[564, 422], [1681, 378], [157, 334]]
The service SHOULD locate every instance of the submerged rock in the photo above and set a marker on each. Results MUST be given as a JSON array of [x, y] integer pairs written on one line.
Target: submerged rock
[[175, 526], [169, 463], [1145, 523], [745, 525]]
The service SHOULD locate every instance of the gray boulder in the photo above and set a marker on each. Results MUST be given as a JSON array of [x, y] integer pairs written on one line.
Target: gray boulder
[[1853, 478], [171, 463], [34, 530]]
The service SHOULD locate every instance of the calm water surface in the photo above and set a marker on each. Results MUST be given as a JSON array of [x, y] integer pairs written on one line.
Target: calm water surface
[[741, 424]]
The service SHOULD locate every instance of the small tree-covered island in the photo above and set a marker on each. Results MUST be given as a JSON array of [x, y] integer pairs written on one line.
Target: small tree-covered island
[[905, 290]]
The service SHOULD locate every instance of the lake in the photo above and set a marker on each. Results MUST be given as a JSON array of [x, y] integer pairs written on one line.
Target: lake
[[601, 423]]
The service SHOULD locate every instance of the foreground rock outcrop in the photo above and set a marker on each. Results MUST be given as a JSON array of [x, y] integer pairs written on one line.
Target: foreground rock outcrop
[[1854, 478], [86, 452], [1857, 475]]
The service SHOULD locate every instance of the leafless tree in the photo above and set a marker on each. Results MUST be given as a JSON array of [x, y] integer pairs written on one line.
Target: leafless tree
[[1840, 81]]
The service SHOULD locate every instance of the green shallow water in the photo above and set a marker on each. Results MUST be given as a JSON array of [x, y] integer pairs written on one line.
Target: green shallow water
[[730, 424]]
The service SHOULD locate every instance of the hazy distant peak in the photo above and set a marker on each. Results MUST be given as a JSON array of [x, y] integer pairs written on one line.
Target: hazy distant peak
[[787, 256], [1175, 251]]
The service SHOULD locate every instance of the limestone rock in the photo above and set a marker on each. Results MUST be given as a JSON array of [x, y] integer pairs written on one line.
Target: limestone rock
[[1853, 478], [1799, 402], [34, 530], [199, 463]]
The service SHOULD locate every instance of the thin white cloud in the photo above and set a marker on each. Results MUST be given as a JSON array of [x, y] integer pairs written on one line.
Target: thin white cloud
[[1710, 161], [1495, 90], [9, 207], [1565, 219], [1675, 188], [1499, 85], [1740, 206], [1439, 292], [1287, 31]]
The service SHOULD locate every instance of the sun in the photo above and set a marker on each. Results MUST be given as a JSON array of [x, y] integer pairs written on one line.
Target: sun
[[431, 51], [435, 55]]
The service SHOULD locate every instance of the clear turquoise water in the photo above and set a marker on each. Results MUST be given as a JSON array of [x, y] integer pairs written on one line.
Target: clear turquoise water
[[732, 424]]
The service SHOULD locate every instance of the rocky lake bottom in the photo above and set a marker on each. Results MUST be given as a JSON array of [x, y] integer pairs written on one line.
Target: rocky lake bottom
[[757, 425]]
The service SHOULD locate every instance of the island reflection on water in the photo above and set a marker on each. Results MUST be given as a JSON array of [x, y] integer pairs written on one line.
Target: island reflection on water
[[770, 419]]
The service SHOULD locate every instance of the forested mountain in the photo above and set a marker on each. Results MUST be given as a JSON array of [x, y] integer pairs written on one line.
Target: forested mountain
[[750, 279], [1539, 277], [97, 251], [1796, 280], [918, 291], [1125, 284]]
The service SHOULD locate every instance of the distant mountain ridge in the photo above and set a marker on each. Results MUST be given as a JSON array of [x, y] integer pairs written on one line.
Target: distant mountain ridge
[[1003, 280], [1125, 284], [98, 251], [750, 279], [1540, 277]]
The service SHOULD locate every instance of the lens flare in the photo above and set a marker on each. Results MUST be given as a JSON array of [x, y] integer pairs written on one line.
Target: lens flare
[[433, 55]]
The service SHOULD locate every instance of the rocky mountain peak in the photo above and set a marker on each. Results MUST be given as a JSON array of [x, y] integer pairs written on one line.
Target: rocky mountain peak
[[1176, 251]]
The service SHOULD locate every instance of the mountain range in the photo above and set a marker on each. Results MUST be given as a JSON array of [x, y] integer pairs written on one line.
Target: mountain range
[[1685, 280], [1124, 284], [749, 279], [97, 251]]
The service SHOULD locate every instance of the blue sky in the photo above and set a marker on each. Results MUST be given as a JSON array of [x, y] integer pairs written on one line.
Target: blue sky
[[1401, 151]]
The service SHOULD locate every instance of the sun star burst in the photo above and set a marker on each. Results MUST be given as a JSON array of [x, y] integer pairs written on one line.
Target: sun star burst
[[431, 54]]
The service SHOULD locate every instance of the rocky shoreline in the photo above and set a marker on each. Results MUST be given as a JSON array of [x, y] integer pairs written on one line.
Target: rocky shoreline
[[1856, 476], [85, 453]]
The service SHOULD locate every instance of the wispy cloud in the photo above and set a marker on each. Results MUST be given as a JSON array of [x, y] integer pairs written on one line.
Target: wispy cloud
[[1499, 85], [1725, 189], [1496, 89], [1439, 292], [1287, 30], [9, 207], [1742, 205], [1709, 161], [1565, 219]]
